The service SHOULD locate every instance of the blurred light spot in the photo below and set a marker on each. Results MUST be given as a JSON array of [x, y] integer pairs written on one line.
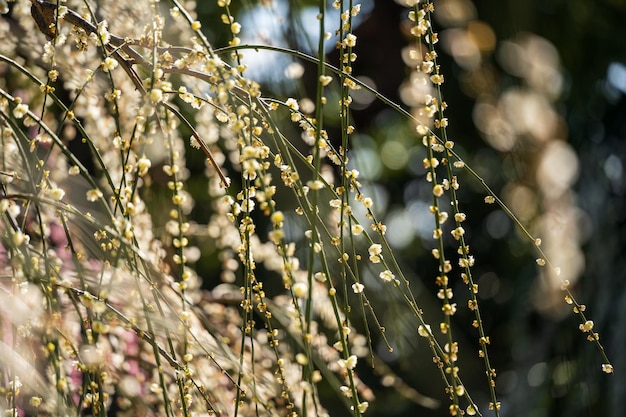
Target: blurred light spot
[[394, 154], [193, 254], [380, 195], [543, 65], [507, 381], [563, 235], [558, 169], [363, 98], [505, 293], [613, 168], [399, 231], [462, 47], [129, 386], [414, 91], [412, 56], [411, 191], [294, 71], [455, 12], [529, 112], [497, 224], [563, 373], [537, 374], [489, 285], [536, 60], [521, 200], [415, 157], [483, 35], [510, 57], [365, 158], [24, 308], [497, 132], [616, 76], [307, 106], [421, 220]]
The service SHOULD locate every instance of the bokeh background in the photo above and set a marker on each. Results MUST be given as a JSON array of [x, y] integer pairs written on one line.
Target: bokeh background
[[537, 106], [536, 94]]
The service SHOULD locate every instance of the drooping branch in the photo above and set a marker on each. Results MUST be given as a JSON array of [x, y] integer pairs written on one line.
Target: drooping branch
[[45, 15]]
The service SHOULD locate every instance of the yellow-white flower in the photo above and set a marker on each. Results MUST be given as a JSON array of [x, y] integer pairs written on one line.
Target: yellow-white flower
[[20, 110], [143, 165], [300, 290], [424, 330], [156, 95], [292, 103], [320, 276], [57, 193], [350, 40], [93, 195], [357, 229], [586, 326], [387, 275], [325, 80], [374, 251], [349, 363], [103, 32], [109, 64], [357, 287]]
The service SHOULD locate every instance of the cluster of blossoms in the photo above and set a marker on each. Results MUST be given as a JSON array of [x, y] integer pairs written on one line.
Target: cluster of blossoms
[[109, 249], [440, 160], [429, 110], [118, 268], [102, 225]]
